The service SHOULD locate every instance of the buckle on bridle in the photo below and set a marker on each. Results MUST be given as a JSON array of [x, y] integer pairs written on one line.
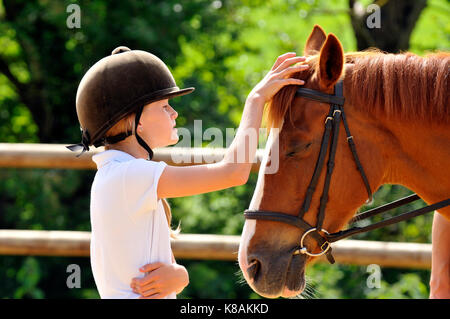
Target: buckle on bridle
[[326, 248], [303, 250], [338, 111], [329, 118]]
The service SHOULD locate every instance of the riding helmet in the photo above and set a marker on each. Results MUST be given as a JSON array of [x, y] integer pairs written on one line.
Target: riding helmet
[[116, 86]]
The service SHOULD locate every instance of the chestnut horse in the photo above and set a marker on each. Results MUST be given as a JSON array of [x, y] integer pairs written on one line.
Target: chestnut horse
[[396, 107]]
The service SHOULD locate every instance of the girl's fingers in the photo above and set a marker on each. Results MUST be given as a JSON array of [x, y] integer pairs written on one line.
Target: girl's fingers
[[141, 282], [150, 267], [146, 287], [145, 290], [283, 82], [148, 292], [291, 70], [276, 78], [281, 58], [286, 63], [147, 279], [291, 81]]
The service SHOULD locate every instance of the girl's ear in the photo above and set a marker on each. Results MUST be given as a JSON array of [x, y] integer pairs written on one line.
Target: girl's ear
[[331, 62], [315, 41]]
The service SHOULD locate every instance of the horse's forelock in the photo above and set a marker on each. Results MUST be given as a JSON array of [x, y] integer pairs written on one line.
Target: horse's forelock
[[282, 101]]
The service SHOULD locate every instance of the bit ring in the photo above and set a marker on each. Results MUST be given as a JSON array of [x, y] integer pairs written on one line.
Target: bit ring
[[304, 250]]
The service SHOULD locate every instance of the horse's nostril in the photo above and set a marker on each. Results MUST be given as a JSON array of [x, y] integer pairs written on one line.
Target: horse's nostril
[[253, 268]]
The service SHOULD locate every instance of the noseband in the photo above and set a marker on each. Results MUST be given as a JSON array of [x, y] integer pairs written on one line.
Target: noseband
[[331, 133]]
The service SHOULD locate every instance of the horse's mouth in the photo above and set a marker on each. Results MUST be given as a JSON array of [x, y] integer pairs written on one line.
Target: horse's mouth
[[294, 287], [280, 280], [288, 289], [295, 277]]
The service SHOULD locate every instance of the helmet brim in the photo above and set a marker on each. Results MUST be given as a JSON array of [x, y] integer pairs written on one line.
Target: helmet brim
[[177, 93]]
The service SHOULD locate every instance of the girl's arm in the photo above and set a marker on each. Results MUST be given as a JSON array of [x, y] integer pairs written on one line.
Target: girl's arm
[[191, 180], [187, 276]]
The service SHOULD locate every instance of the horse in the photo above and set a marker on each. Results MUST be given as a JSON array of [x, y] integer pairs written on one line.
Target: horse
[[396, 109]]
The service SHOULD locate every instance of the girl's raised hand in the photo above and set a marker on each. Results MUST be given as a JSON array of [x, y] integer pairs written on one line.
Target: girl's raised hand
[[161, 280], [279, 76]]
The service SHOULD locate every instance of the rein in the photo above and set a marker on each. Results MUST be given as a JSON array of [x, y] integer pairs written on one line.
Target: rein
[[332, 123]]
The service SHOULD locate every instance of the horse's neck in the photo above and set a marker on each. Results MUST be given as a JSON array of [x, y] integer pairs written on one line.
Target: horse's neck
[[421, 160], [410, 153]]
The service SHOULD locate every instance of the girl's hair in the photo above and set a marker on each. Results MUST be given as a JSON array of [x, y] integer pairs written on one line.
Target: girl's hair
[[127, 124]]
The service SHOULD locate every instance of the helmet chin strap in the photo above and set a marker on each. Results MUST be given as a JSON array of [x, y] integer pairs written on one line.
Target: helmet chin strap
[[114, 139], [139, 139]]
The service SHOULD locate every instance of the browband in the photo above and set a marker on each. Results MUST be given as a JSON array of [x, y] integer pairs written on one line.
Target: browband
[[320, 97]]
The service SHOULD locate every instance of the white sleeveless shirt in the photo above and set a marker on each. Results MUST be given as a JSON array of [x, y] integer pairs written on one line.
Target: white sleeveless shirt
[[129, 226]]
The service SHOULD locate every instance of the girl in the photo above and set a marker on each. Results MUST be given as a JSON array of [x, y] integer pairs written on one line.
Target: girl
[[123, 103]]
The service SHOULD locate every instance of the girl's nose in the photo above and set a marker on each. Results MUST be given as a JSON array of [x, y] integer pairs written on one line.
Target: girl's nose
[[174, 113]]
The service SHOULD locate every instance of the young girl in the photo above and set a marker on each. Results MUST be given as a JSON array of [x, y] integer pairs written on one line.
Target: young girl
[[123, 103]]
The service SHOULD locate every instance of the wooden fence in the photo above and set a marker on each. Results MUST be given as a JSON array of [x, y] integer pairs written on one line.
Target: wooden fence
[[188, 246], [58, 156], [214, 247]]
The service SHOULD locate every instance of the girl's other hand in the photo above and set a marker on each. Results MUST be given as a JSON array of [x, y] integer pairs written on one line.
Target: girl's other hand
[[161, 280], [278, 77]]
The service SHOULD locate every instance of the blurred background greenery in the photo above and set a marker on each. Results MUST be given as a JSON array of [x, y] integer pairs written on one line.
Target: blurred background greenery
[[223, 48]]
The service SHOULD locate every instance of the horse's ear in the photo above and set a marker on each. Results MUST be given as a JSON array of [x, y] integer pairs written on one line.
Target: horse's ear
[[331, 62], [315, 41]]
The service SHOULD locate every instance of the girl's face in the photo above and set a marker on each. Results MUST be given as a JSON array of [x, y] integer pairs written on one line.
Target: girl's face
[[157, 124]]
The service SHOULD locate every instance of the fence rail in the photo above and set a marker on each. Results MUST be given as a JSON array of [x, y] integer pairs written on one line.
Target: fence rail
[[22, 155], [215, 247]]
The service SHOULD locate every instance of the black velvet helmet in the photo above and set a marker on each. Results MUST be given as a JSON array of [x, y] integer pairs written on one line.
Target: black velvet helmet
[[116, 86]]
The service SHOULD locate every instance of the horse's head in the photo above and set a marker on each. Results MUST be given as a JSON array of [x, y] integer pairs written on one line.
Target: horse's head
[[265, 253]]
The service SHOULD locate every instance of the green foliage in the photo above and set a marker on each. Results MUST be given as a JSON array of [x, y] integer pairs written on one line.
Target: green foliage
[[28, 276], [408, 286], [432, 31], [349, 281], [223, 48]]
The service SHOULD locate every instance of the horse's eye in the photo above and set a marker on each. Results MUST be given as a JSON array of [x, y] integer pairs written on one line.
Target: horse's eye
[[299, 149], [291, 154]]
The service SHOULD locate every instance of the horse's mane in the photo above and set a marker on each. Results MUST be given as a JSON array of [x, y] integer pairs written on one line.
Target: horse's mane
[[401, 86]]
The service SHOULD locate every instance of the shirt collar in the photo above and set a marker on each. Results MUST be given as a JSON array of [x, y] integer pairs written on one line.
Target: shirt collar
[[105, 157]]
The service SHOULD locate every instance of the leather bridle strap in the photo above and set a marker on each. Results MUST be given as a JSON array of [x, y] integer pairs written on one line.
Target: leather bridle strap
[[330, 165], [291, 220], [352, 146], [405, 216], [384, 208], [318, 168], [336, 101], [323, 97]]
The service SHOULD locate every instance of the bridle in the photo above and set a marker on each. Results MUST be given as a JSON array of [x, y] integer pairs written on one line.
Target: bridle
[[332, 123]]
